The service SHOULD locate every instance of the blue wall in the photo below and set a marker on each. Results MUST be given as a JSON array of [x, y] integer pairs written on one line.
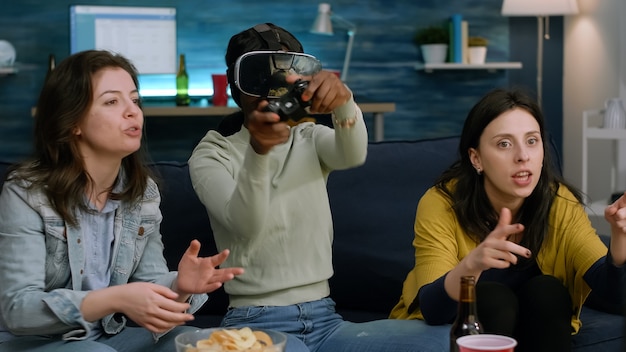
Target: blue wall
[[382, 68]]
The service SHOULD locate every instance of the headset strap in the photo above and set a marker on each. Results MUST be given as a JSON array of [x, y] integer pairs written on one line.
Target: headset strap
[[271, 37]]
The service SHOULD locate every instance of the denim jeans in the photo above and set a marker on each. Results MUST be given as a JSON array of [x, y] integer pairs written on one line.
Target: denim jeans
[[317, 327], [130, 339]]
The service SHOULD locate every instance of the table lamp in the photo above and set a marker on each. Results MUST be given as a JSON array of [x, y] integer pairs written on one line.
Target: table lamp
[[323, 25], [542, 9]]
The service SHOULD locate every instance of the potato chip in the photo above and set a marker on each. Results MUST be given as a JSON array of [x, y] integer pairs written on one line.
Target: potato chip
[[244, 339], [263, 338]]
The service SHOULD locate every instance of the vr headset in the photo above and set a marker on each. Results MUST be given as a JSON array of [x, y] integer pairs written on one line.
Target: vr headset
[[262, 73]]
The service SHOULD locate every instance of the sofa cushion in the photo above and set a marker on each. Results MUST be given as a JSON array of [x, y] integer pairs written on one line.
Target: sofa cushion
[[600, 332], [373, 219], [3, 170], [184, 219], [373, 211]]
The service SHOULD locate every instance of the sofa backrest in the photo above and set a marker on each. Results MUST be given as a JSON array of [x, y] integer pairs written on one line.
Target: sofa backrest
[[184, 219], [373, 209]]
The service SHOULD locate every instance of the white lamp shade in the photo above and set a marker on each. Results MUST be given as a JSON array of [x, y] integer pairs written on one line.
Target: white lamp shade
[[539, 7], [322, 24]]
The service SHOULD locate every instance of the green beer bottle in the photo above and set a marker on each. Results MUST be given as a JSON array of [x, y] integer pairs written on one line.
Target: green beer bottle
[[182, 83]]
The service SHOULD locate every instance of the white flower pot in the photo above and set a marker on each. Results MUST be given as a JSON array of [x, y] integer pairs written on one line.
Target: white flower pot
[[434, 53], [7, 54], [477, 54]]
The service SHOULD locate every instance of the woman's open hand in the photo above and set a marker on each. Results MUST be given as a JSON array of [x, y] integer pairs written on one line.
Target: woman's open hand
[[201, 275], [615, 215]]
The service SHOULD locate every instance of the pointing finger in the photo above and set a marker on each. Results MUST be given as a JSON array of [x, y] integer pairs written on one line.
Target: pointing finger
[[193, 249], [504, 228], [505, 217], [612, 209]]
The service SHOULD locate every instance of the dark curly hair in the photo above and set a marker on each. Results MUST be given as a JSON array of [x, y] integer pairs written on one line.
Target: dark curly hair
[[253, 39]]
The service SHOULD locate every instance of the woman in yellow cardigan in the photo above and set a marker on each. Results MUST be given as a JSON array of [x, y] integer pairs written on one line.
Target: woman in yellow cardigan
[[502, 214]]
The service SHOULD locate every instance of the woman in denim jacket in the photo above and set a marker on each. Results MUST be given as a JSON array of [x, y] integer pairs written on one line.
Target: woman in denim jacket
[[80, 245]]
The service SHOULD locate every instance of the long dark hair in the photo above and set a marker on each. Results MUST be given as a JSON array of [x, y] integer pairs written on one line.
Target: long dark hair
[[57, 166], [469, 199]]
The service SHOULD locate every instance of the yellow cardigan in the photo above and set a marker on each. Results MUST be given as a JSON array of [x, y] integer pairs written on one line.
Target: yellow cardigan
[[571, 247]]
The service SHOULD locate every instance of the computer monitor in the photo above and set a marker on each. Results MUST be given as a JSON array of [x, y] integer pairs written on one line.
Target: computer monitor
[[144, 35]]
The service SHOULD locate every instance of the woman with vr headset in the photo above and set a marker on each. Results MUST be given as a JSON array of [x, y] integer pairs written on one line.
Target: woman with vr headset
[[264, 185]]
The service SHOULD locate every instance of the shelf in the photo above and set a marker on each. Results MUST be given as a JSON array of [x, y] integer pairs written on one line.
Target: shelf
[[605, 133], [177, 111], [378, 109], [597, 208], [591, 120], [199, 111], [8, 70], [489, 66]]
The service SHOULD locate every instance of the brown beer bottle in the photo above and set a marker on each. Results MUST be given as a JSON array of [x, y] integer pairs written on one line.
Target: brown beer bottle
[[182, 83], [466, 322]]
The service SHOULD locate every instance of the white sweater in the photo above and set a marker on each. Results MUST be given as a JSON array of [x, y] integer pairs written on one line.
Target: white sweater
[[272, 211]]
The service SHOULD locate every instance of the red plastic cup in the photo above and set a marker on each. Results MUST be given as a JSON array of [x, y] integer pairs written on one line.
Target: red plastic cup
[[220, 84], [486, 342]]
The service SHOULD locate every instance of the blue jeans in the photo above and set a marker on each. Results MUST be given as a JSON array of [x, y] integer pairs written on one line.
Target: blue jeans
[[316, 327], [130, 339]]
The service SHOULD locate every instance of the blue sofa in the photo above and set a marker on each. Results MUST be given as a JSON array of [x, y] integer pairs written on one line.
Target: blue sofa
[[373, 209]]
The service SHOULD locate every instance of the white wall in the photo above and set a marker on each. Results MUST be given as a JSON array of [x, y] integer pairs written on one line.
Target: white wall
[[594, 70]]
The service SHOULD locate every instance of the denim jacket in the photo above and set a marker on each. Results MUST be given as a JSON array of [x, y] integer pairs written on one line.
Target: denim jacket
[[41, 262]]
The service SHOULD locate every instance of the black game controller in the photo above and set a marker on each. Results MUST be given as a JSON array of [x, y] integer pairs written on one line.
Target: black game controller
[[290, 105]]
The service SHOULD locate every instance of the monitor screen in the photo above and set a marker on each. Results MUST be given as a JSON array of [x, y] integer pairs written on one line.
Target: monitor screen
[[144, 35]]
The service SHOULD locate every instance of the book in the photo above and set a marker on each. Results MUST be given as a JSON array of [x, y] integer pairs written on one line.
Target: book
[[456, 36], [464, 41], [451, 41]]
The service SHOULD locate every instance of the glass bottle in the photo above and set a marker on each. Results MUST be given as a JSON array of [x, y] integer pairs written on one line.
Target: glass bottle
[[182, 83], [466, 322], [614, 115]]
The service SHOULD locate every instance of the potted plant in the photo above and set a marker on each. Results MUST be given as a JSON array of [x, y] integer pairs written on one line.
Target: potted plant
[[477, 41], [433, 43], [477, 49]]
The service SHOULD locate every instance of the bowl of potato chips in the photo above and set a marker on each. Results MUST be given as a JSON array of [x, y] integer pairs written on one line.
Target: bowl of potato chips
[[231, 339]]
